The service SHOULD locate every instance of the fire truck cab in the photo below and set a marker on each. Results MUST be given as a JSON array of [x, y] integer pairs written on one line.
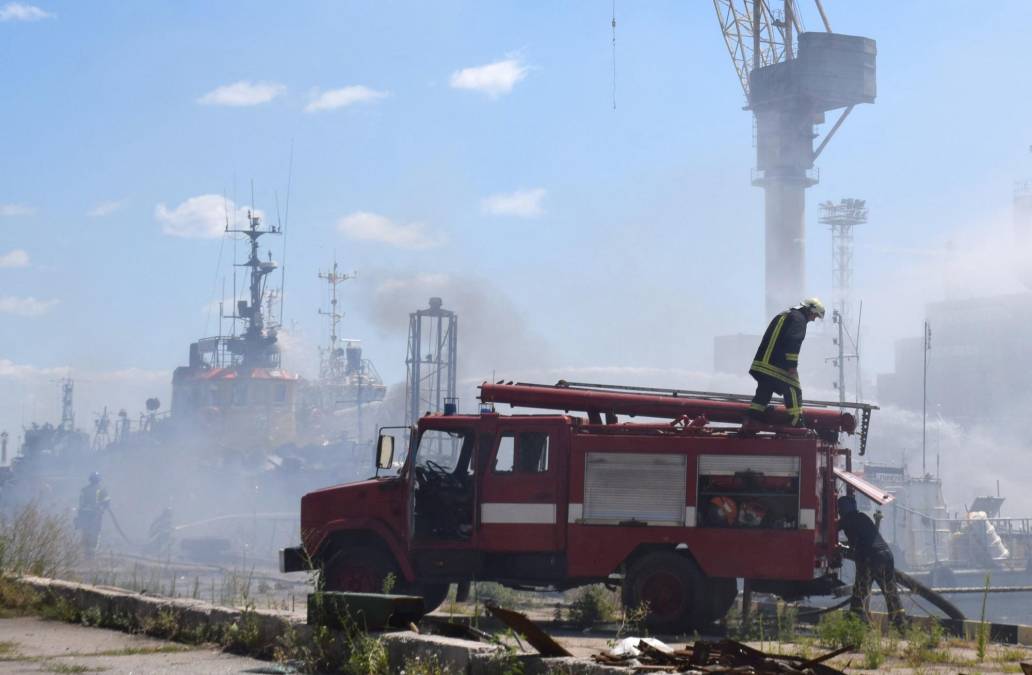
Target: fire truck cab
[[675, 508]]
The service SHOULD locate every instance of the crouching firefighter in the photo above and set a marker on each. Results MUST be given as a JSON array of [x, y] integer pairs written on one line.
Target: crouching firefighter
[[775, 366], [873, 560]]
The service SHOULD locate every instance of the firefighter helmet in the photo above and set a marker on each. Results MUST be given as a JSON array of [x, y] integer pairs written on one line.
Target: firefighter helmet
[[814, 305], [95, 477], [724, 510]]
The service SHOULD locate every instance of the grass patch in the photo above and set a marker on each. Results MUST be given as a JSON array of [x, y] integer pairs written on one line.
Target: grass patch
[[142, 651], [73, 668], [1011, 655], [8, 648]]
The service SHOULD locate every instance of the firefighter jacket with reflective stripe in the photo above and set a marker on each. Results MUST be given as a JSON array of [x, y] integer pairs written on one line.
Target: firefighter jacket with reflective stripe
[[779, 348]]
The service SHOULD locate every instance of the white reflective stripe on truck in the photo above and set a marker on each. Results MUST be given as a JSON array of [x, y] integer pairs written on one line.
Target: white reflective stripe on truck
[[524, 514], [807, 519], [576, 512]]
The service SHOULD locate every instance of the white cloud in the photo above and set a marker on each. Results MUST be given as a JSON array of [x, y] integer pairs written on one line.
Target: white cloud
[[242, 93], [200, 217], [374, 227], [493, 79], [9, 368], [14, 258], [12, 210], [342, 98], [29, 306], [522, 203], [17, 11], [105, 208]]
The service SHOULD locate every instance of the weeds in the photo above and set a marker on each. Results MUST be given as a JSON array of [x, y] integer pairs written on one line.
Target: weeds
[[787, 618], [592, 605], [417, 665], [923, 645], [164, 625], [633, 620], [982, 636], [60, 609], [244, 635], [495, 594], [367, 656], [38, 543], [91, 616], [873, 648], [841, 629], [16, 599]]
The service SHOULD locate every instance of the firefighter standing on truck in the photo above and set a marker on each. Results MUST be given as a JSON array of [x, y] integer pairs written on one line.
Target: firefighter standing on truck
[[873, 560], [775, 365]]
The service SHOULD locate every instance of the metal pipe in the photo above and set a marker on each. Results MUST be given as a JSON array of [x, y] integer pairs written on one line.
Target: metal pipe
[[646, 405], [824, 17]]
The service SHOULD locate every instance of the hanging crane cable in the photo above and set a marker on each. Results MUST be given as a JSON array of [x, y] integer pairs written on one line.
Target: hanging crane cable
[[613, 24]]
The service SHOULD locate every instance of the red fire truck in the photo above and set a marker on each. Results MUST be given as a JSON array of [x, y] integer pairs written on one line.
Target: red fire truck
[[676, 505]]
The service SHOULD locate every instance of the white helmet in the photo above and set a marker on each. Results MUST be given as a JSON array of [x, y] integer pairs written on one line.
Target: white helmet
[[814, 305]]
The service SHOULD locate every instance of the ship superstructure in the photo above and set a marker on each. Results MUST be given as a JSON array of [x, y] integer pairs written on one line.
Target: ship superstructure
[[347, 381], [234, 388]]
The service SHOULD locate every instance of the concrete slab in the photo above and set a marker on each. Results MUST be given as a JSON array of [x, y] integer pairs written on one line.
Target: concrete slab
[[31, 645]]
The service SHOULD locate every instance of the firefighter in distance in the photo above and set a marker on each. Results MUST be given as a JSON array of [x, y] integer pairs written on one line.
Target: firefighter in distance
[[93, 501], [775, 366], [874, 562]]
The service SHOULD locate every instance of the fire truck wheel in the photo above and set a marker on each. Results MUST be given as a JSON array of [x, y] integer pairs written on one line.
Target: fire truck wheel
[[674, 589], [433, 594], [362, 569]]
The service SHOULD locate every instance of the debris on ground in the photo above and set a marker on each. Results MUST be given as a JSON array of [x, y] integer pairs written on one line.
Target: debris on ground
[[538, 639], [724, 656]]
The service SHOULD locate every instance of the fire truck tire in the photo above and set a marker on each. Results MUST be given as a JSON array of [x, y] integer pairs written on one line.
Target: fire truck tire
[[433, 594], [361, 568], [678, 594]]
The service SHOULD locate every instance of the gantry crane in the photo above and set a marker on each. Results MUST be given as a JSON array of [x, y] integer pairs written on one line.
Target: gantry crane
[[789, 87]]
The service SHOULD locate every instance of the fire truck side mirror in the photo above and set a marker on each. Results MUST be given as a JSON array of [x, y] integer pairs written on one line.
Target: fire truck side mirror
[[384, 451]]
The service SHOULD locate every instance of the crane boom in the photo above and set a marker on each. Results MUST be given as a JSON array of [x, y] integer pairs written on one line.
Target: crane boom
[[753, 35]]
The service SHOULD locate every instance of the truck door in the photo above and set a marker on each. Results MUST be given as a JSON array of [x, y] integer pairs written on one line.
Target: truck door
[[523, 494]]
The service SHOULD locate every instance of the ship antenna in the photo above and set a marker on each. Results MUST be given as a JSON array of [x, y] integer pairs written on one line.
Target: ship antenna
[[283, 229]]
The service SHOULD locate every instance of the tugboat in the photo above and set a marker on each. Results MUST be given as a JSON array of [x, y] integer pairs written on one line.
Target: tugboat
[[234, 387]]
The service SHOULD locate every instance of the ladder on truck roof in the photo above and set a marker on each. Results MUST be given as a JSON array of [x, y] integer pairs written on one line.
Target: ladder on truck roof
[[612, 399]]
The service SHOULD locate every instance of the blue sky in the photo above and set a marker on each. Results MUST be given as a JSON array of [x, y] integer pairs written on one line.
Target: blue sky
[[597, 237]]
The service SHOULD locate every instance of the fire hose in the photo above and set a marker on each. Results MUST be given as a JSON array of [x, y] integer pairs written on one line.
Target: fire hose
[[107, 508], [915, 586]]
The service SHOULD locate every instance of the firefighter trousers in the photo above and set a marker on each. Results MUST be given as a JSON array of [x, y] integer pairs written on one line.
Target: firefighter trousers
[[767, 386], [880, 567]]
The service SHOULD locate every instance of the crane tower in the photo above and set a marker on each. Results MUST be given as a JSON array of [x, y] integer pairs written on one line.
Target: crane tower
[[789, 85]]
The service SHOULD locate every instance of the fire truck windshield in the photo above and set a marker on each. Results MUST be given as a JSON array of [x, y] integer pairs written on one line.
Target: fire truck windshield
[[443, 450]]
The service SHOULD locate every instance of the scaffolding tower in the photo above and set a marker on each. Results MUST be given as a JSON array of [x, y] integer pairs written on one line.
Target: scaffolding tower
[[431, 360]]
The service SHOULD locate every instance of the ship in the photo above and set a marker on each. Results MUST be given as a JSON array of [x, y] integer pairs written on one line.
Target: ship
[[243, 438], [956, 552]]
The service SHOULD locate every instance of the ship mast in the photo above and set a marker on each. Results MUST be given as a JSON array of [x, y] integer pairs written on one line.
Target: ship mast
[[332, 365], [257, 345]]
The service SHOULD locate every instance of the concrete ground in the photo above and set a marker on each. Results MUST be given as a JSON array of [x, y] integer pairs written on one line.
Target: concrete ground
[[31, 645]]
